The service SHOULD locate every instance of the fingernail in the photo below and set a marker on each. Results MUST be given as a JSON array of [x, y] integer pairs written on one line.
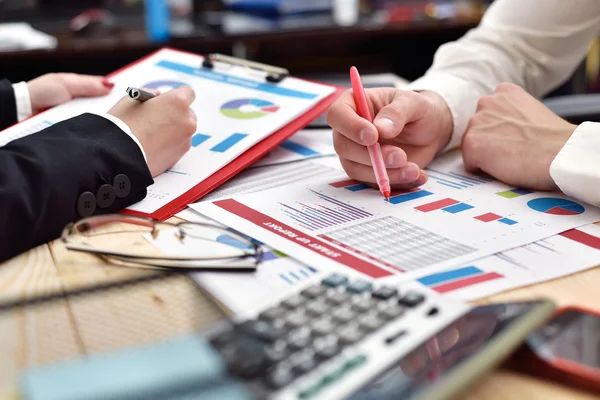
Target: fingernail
[[393, 160], [409, 173], [108, 84], [367, 136], [384, 124]]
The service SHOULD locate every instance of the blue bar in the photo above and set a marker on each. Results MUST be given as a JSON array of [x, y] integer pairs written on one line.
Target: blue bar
[[446, 276], [228, 143], [507, 221], [457, 208], [198, 139], [409, 196], [522, 192], [176, 172], [304, 273], [268, 256], [234, 80], [449, 185], [295, 276], [356, 188], [312, 269], [476, 181], [299, 149], [285, 278], [440, 180], [47, 122]]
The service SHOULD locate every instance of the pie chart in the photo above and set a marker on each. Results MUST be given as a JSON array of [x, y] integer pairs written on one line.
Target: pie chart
[[555, 206], [248, 108], [163, 86]]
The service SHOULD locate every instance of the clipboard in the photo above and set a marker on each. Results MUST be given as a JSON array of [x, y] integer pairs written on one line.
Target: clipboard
[[274, 75]]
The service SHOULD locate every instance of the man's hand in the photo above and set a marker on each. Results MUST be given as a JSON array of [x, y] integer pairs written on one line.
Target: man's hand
[[411, 127], [164, 125], [515, 138], [53, 89]]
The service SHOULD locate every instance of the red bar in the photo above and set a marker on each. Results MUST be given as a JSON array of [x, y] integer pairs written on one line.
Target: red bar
[[489, 217], [307, 241], [583, 238], [450, 286], [561, 211], [341, 184], [436, 205]]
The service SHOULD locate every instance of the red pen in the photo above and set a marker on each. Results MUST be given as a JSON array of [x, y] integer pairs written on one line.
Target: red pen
[[362, 108]]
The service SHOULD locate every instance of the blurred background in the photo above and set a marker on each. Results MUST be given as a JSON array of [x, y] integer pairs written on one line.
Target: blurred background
[[316, 39]]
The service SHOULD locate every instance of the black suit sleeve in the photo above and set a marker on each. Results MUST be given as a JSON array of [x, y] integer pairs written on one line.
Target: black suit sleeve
[[8, 105], [80, 167]]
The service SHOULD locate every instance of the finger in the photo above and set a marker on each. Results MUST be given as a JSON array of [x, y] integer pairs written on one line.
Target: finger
[[350, 150], [183, 91], [343, 118], [397, 176], [86, 85], [406, 107]]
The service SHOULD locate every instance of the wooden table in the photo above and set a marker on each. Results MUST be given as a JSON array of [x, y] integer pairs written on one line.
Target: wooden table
[[51, 269]]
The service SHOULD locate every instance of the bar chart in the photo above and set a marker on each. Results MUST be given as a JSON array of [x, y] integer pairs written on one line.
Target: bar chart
[[450, 280], [326, 212], [491, 217], [512, 193], [299, 275], [455, 180], [449, 205], [221, 147], [350, 184]]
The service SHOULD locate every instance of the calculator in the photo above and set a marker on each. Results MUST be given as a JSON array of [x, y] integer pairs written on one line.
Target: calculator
[[331, 336]]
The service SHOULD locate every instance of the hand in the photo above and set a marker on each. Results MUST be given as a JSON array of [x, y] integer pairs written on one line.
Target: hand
[[515, 138], [411, 127], [53, 89], [164, 125]]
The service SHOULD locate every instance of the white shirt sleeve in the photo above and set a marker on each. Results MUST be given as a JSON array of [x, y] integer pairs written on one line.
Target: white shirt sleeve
[[576, 168], [23, 101], [536, 44], [125, 128]]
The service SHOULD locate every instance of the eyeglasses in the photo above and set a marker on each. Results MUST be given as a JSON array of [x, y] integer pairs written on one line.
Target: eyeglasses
[[126, 239]]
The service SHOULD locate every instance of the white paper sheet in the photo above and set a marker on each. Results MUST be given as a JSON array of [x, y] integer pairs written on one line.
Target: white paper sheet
[[554, 257], [236, 109], [304, 145], [455, 218]]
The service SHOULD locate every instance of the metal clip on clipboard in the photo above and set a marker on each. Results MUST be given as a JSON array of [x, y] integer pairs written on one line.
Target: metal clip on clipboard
[[274, 74]]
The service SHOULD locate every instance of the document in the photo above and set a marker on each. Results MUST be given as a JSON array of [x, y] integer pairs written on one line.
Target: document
[[455, 218], [569, 252], [304, 145], [236, 109]]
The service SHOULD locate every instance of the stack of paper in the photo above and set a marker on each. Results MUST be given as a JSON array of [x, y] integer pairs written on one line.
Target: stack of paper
[[22, 36]]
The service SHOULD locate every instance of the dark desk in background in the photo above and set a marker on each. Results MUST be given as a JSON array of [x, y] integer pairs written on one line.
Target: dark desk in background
[[406, 48]]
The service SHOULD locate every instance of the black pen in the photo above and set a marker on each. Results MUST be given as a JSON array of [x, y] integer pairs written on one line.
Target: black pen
[[139, 94]]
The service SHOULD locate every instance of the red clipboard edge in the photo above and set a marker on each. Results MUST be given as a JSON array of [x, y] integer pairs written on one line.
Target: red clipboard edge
[[241, 162]]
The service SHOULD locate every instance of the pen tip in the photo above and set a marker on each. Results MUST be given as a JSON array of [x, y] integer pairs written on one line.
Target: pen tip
[[387, 194]]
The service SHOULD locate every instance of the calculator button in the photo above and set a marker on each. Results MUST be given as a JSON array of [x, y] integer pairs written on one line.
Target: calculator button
[[363, 304], [322, 326], [391, 311], [360, 287], [337, 298], [350, 334], [335, 280], [223, 338], [263, 330], [272, 313], [385, 293], [296, 319], [343, 314], [326, 347], [411, 299], [314, 291], [245, 358], [279, 376], [276, 352], [370, 322], [294, 301], [433, 311], [317, 308], [299, 339], [303, 362]]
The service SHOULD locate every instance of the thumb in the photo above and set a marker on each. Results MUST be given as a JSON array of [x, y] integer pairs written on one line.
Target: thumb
[[406, 107], [87, 86]]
